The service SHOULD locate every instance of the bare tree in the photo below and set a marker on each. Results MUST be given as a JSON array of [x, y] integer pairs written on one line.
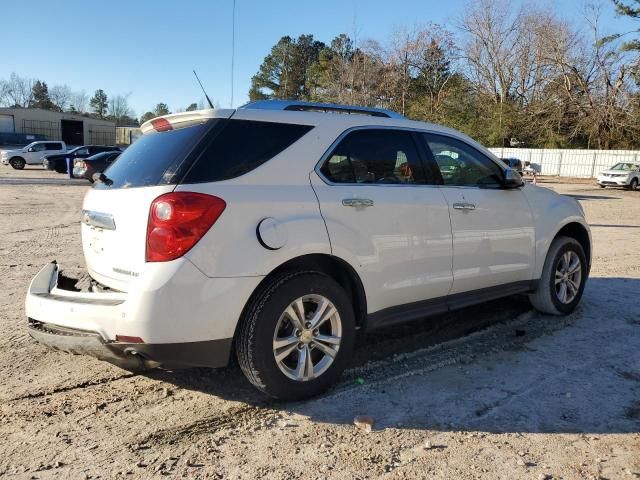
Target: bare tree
[[4, 92], [18, 91], [595, 81], [79, 101], [119, 106], [61, 96]]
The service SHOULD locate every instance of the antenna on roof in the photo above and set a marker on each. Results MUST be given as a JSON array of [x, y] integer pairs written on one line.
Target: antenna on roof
[[233, 46], [205, 93]]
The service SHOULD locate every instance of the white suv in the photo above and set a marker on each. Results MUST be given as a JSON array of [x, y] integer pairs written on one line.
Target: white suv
[[279, 230], [32, 154]]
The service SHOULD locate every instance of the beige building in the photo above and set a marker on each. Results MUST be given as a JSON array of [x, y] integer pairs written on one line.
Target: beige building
[[71, 128]]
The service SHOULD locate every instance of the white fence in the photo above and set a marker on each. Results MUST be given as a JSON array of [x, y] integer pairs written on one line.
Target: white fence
[[568, 163]]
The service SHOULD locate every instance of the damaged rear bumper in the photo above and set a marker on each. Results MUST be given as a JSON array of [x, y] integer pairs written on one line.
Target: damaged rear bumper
[[132, 356], [79, 322]]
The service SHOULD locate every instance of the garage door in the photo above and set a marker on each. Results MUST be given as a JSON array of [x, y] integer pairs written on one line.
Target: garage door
[[6, 123]]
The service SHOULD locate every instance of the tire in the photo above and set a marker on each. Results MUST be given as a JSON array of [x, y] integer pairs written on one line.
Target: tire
[[634, 184], [601, 186], [17, 163], [264, 320], [546, 298]]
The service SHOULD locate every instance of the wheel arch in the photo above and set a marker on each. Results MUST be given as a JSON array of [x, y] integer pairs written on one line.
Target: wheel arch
[[336, 268], [578, 232]]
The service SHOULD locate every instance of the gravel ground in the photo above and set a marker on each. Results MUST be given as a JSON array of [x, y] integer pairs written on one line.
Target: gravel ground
[[497, 391]]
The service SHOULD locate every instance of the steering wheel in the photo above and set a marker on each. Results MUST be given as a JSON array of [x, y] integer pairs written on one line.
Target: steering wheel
[[390, 178]]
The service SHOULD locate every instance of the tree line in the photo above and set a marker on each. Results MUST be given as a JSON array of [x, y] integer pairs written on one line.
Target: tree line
[[21, 92], [507, 76]]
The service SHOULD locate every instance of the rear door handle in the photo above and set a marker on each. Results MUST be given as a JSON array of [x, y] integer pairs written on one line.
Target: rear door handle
[[357, 202], [464, 206]]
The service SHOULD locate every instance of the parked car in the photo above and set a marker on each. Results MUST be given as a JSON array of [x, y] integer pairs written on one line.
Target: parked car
[[32, 154], [59, 162], [86, 167], [514, 163], [278, 232], [622, 174]]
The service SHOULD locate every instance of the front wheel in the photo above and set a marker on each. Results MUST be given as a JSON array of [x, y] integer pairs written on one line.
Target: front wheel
[[563, 278], [296, 335], [17, 163]]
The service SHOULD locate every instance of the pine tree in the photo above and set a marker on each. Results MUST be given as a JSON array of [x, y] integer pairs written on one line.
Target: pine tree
[[633, 11], [99, 103], [285, 71], [40, 93]]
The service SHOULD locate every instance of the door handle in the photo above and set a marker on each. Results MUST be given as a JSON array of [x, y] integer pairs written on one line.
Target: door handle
[[464, 206], [357, 202]]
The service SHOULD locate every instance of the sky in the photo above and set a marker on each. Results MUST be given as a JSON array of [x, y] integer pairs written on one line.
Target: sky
[[148, 49]]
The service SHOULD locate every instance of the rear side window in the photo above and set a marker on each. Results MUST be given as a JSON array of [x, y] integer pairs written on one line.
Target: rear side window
[[154, 159], [54, 146], [380, 156], [240, 147]]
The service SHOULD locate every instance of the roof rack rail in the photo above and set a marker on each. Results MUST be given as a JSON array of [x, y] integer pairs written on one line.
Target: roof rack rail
[[293, 105]]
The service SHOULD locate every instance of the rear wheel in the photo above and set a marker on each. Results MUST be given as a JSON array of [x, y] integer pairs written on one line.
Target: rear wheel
[[563, 278], [296, 335], [17, 162], [634, 184]]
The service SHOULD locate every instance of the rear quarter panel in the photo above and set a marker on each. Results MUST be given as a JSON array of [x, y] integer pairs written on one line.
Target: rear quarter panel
[[231, 247]]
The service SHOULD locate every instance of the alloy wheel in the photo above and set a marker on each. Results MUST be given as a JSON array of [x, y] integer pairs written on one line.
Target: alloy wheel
[[307, 337], [568, 276]]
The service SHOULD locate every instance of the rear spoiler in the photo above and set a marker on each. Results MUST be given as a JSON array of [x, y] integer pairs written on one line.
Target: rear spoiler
[[183, 119]]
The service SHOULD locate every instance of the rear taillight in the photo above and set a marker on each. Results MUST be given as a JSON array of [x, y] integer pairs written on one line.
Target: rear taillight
[[177, 221]]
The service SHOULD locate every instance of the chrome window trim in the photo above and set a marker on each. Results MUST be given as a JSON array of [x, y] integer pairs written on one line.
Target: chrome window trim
[[325, 156]]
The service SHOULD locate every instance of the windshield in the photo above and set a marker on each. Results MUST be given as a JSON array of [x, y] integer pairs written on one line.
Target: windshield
[[624, 166]]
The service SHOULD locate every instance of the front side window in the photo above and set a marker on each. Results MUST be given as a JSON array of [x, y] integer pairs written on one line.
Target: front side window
[[375, 156], [461, 164], [39, 147]]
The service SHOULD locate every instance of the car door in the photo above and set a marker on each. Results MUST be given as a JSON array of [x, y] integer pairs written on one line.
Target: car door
[[384, 219], [35, 153], [493, 233]]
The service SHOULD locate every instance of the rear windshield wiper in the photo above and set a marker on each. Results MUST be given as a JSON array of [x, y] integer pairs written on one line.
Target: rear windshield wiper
[[102, 178]]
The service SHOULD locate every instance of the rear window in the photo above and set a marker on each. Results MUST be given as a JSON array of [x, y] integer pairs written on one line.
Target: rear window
[[154, 159], [241, 146]]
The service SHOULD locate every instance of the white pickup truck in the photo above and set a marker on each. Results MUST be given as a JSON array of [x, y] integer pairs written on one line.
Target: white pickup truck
[[32, 154]]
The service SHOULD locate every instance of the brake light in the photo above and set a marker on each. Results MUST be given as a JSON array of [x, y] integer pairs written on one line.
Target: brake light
[[161, 125], [177, 221]]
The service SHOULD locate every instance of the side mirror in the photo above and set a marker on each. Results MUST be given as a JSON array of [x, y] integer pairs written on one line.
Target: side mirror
[[512, 179], [31, 149]]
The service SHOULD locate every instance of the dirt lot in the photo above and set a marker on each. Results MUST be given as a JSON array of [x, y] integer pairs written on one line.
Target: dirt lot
[[492, 392]]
